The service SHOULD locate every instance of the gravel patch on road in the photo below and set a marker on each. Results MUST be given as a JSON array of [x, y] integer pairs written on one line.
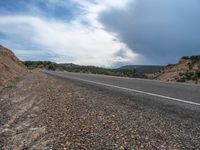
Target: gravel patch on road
[[43, 112]]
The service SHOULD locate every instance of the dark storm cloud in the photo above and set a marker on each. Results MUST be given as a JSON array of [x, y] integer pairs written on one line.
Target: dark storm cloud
[[160, 30]]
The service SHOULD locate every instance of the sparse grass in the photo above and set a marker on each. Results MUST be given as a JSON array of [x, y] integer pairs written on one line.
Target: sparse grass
[[194, 76]]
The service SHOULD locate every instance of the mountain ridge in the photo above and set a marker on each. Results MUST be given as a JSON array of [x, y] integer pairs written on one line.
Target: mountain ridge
[[146, 69]]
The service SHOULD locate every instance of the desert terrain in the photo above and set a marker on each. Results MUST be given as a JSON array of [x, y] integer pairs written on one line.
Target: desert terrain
[[40, 111]]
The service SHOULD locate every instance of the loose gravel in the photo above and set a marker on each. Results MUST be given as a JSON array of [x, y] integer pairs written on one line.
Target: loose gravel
[[43, 112]]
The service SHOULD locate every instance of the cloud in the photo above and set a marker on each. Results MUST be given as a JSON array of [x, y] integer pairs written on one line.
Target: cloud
[[161, 31], [103, 33], [81, 40]]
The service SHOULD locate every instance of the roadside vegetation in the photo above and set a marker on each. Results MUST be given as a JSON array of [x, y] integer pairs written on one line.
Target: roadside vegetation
[[191, 74], [186, 70], [48, 65], [145, 69], [194, 76]]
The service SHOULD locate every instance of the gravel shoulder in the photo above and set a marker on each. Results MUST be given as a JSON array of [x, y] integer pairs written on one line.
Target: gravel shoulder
[[43, 112]]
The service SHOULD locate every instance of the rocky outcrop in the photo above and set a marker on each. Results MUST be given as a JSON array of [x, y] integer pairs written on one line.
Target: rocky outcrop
[[11, 68], [186, 70]]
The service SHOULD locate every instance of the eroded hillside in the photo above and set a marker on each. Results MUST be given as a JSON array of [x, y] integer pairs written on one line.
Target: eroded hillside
[[187, 70], [11, 67]]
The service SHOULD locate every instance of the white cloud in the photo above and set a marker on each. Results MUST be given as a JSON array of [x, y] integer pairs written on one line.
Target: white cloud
[[93, 9], [86, 45]]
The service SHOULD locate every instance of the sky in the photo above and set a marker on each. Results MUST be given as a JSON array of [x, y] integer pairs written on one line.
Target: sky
[[106, 33]]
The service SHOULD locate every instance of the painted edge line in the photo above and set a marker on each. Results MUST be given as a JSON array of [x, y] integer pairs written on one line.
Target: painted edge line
[[127, 78], [133, 90]]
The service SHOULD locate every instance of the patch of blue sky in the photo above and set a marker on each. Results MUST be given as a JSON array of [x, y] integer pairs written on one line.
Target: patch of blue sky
[[35, 55], [3, 35], [12, 6], [26, 50], [64, 11]]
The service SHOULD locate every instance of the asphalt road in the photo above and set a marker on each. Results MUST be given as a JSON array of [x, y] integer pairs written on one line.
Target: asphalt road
[[184, 95]]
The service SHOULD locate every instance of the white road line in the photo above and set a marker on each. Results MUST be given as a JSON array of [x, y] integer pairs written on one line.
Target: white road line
[[136, 91], [128, 78]]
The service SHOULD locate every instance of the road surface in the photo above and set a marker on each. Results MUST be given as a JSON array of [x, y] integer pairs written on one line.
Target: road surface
[[184, 95]]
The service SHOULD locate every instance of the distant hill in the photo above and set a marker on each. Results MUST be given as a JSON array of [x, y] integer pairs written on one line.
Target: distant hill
[[11, 67], [186, 70], [83, 69], [146, 69]]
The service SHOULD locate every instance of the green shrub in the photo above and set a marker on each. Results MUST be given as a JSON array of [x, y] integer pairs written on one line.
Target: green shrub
[[182, 79], [195, 59], [185, 57]]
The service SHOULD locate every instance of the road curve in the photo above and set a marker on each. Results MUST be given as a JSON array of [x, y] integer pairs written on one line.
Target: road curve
[[169, 93]]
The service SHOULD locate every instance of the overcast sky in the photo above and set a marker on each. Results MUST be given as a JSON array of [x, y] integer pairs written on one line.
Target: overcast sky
[[106, 33]]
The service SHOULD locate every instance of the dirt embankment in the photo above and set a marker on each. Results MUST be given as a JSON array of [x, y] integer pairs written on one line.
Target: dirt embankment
[[11, 67], [187, 70]]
